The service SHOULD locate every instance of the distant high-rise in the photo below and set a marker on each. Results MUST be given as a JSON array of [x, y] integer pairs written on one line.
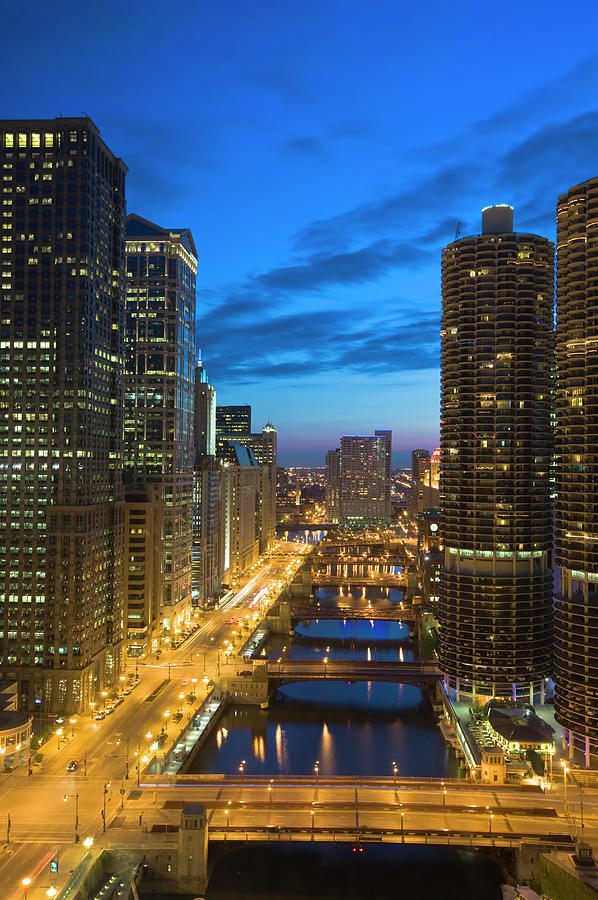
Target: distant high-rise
[[496, 397], [208, 518], [387, 436], [61, 362], [159, 395], [576, 605], [264, 445], [205, 415], [420, 464], [365, 479], [233, 420], [333, 484]]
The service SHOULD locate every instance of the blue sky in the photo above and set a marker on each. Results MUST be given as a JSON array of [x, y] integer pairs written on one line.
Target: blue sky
[[322, 154]]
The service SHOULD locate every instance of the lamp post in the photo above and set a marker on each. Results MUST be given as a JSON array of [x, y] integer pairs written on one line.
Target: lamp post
[[325, 666], [402, 825], [148, 738], [270, 792], [395, 769], [181, 698], [317, 769], [59, 735], [76, 798], [565, 770], [144, 759], [166, 715], [106, 787], [72, 721], [490, 817], [242, 768], [25, 882]]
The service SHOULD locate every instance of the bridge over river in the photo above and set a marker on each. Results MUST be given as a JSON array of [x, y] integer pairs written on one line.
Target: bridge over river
[[291, 670], [394, 613]]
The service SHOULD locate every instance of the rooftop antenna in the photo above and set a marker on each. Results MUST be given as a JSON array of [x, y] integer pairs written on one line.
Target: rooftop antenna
[[458, 231]]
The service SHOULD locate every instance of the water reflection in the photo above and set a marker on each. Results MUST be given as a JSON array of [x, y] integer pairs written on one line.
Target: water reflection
[[304, 535]]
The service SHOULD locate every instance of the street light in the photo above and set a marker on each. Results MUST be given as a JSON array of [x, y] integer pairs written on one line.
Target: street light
[[317, 768], [166, 714], [59, 735], [270, 792], [395, 769], [242, 767], [72, 721], [402, 825], [565, 770], [490, 817], [25, 882], [106, 787], [325, 665], [88, 842], [51, 892], [76, 798], [181, 698]]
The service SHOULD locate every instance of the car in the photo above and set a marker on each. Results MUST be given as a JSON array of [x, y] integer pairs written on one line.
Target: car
[[72, 766], [127, 691], [100, 715]]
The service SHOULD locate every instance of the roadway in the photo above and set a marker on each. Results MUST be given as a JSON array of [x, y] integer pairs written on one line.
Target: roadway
[[42, 820], [464, 808]]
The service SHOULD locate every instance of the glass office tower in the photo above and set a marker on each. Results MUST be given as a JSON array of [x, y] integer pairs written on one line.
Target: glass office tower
[[159, 400]]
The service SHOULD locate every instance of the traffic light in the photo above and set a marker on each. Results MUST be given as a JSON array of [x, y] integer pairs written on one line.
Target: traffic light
[[53, 866]]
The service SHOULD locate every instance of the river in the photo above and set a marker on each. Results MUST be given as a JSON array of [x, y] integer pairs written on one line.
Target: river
[[349, 728]]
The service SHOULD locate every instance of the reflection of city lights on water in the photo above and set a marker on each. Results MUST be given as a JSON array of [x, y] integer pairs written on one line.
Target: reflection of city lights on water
[[369, 655], [259, 748], [281, 749], [401, 654]]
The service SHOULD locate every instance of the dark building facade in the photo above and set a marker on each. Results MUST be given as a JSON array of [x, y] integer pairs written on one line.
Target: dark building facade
[[576, 605], [61, 366], [496, 399], [233, 420]]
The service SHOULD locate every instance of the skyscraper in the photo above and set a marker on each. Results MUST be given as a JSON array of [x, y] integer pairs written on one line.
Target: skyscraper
[[159, 395], [365, 479], [264, 444], [333, 484], [208, 501], [420, 464], [496, 393], [233, 420], [576, 604], [61, 455]]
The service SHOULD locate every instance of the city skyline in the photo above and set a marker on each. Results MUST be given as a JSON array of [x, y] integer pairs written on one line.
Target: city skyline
[[321, 178]]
